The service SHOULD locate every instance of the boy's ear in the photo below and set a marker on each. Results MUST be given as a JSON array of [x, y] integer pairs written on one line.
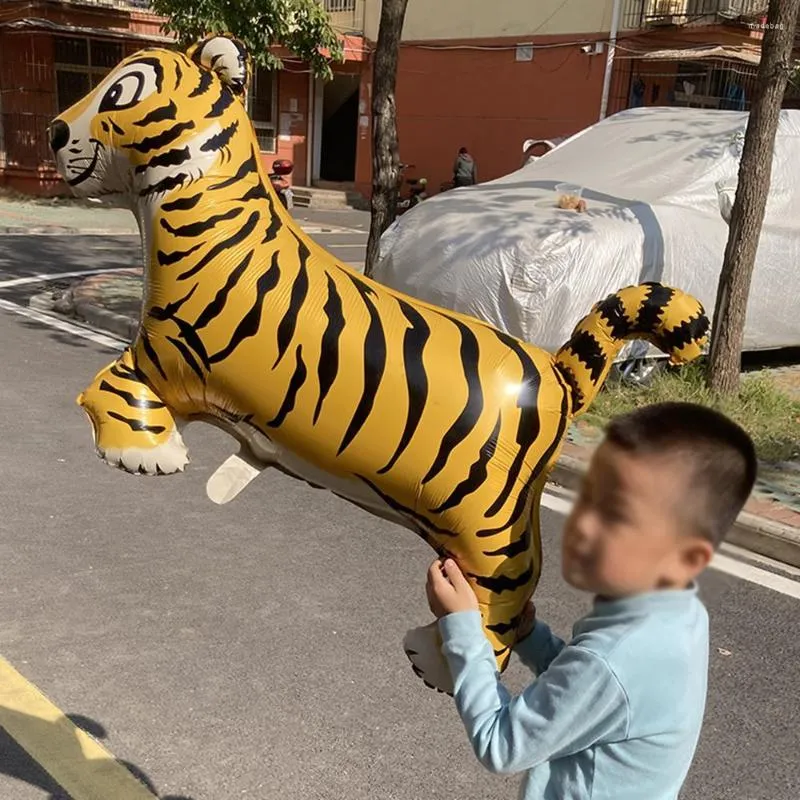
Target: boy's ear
[[227, 58]]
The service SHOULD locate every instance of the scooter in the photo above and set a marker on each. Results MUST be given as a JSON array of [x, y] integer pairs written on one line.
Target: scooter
[[281, 168], [417, 191]]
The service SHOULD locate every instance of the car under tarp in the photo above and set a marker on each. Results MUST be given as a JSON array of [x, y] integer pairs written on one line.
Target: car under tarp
[[658, 183]]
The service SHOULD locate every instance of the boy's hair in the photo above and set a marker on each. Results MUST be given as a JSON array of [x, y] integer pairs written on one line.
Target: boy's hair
[[719, 456]]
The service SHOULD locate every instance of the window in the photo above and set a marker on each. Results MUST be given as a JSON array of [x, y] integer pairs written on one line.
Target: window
[[80, 65], [263, 107]]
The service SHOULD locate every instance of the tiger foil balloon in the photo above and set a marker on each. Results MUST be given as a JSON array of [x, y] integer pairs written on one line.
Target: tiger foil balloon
[[428, 418]]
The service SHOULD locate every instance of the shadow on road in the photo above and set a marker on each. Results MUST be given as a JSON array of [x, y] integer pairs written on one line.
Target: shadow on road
[[16, 763]]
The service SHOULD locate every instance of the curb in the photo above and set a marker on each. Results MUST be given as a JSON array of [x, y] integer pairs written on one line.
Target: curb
[[38, 230], [118, 324], [756, 534]]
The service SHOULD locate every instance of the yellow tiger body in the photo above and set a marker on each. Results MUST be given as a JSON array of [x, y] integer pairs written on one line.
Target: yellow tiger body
[[429, 418]]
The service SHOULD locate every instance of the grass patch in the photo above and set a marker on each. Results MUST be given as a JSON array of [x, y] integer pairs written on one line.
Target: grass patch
[[770, 416]]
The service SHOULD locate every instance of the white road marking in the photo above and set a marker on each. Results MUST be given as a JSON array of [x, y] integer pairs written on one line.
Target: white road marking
[[64, 326], [41, 277], [720, 562]]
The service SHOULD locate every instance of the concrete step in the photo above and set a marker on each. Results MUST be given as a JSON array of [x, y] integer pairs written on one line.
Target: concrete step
[[314, 197]]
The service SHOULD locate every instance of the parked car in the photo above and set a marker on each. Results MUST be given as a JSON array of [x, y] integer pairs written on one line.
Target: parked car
[[525, 254]]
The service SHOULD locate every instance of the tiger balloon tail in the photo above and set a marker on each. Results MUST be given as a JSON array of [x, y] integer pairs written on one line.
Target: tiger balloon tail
[[419, 415]]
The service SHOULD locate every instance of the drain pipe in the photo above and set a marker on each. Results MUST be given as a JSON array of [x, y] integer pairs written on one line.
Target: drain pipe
[[610, 53]]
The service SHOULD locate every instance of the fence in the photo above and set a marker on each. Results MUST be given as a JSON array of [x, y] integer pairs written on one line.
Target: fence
[[642, 13], [23, 140]]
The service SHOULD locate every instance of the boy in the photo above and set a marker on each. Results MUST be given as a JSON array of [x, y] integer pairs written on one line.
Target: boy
[[616, 713]]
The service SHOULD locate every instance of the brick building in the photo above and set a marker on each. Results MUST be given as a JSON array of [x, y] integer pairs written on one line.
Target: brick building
[[483, 75]]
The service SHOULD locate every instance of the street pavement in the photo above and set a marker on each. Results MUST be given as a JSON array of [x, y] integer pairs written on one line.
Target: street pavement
[[254, 649]]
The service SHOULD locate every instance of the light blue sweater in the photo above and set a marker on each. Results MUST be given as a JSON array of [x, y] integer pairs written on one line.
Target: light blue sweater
[[614, 715]]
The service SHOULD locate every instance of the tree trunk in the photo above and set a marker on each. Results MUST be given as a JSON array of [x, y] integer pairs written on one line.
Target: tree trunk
[[385, 157], [747, 214]]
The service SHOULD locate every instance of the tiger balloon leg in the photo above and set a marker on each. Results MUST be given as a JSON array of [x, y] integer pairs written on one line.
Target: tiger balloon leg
[[133, 427]]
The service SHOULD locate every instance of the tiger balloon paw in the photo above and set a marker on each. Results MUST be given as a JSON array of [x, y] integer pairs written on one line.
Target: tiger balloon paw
[[133, 428]]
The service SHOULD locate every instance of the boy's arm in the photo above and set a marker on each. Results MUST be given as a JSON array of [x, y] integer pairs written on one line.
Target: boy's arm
[[539, 648], [576, 703]]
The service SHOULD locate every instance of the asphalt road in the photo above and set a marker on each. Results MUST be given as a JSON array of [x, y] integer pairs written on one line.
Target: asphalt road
[[254, 650]]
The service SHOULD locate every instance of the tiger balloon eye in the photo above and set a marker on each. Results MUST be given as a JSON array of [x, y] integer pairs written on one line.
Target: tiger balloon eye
[[431, 419]]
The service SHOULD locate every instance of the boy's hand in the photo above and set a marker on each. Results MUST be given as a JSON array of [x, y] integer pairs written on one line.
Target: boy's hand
[[527, 621], [448, 590]]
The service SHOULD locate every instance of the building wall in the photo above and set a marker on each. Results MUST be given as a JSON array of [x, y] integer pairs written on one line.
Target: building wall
[[478, 19], [488, 102]]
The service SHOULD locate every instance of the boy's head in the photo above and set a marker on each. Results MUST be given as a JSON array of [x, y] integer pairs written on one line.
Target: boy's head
[[660, 494]]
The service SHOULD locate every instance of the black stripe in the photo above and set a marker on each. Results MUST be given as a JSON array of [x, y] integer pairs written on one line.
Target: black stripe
[[171, 158], [529, 424], [136, 424], [414, 341], [514, 548], [151, 354], [178, 76], [161, 140], [578, 398], [220, 247], [249, 324], [219, 140], [121, 371], [469, 416], [524, 493], [256, 192], [182, 203], [170, 309], [166, 259], [288, 323], [244, 170], [164, 185], [116, 128], [328, 366], [501, 628], [193, 340], [612, 311], [194, 229], [221, 103], [217, 305], [187, 357], [477, 473], [130, 398], [297, 380], [649, 317], [504, 583], [275, 223], [157, 68], [408, 512], [589, 352], [206, 79], [216, 58], [374, 365], [160, 114], [690, 330]]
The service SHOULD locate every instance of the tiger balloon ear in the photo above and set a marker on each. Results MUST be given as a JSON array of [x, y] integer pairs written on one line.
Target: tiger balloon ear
[[227, 58]]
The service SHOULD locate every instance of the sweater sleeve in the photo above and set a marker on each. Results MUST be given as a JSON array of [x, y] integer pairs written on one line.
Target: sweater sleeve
[[539, 648], [576, 703]]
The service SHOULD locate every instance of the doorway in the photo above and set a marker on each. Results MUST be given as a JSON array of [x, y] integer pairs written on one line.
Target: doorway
[[339, 128]]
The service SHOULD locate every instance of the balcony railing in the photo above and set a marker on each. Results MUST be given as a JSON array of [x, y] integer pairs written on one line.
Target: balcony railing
[[346, 15], [646, 13]]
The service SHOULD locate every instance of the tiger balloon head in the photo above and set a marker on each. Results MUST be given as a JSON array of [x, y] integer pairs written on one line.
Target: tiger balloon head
[[158, 120]]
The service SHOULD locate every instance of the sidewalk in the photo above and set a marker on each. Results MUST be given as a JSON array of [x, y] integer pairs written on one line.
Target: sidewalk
[[31, 215], [25, 215], [769, 525]]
